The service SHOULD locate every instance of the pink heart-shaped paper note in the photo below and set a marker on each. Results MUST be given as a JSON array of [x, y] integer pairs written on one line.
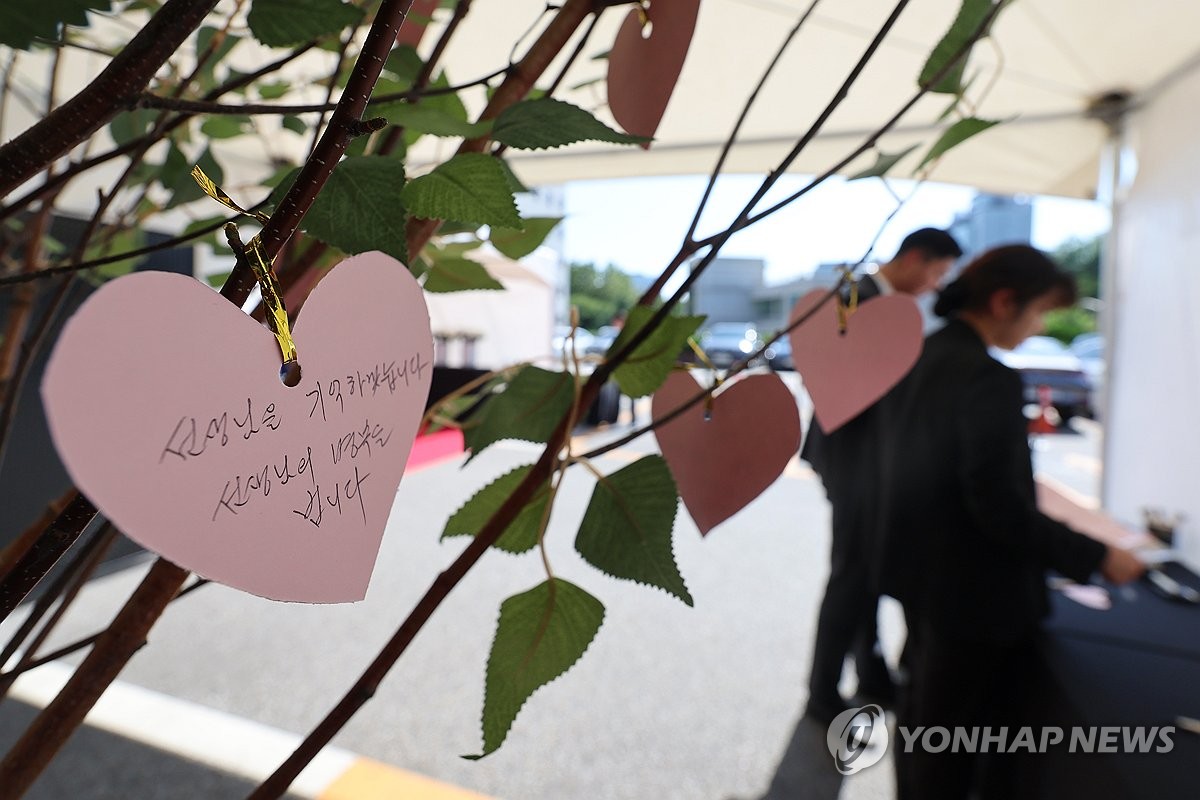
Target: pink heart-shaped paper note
[[165, 403], [643, 71], [722, 463], [846, 373]]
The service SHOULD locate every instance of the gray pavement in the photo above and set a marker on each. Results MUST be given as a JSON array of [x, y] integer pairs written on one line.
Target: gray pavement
[[669, 702]]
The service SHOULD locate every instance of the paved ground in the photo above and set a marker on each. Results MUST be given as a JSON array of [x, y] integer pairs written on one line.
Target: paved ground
[[669, 702]]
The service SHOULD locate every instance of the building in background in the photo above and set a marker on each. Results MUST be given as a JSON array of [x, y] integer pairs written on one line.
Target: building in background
[[725, 292], [733, 290], [992, 220]]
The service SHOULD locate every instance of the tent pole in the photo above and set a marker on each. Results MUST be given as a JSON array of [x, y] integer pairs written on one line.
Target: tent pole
[[1112, 110]]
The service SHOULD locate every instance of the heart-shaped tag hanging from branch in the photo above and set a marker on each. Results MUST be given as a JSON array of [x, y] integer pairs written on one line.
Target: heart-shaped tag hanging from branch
[[166, 405], [645, 62], [725, 456], [846, 370]]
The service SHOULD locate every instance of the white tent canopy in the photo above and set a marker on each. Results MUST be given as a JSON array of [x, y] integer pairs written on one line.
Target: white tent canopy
[[1049, 60]]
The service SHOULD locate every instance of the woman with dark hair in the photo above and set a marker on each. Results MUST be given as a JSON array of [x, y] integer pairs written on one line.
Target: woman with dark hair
[[964, 547]]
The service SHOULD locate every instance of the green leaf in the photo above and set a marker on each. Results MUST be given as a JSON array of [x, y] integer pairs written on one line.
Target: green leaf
[[470, 187], [130, 125], [522, 533], [448, 103], [537, 124], [225, 126], [204, 38], [185, 188], [648, 366], [955, 135], [360, 208], [514, 183], [883, 163], [971, 15], [273, 91], [518, 244], [295, 124], [541, 634], [285, 23], [124, 241], [217, 279], [22, 21], [626, 530], [458, 275], [529, 408], [423, 118], [404, 65]]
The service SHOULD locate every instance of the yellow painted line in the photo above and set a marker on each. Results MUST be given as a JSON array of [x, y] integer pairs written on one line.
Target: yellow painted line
[[374, 780]]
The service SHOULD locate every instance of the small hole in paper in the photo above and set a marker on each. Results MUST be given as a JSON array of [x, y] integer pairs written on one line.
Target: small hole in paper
[[289, 373]]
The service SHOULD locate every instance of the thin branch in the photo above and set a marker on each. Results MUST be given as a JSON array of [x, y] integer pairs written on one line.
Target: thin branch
[[717, 241], [337, 136], [45, 553], [296, 276], [79, 644], [737, 127], [333, 81], [147, 100], [570, 62], [421, 82], [15, 550], [85, 561], [520, 79], [870, 141], [80, 167], [705, 393], [60, 269], [6, 86], [88, 111], [48, 731]]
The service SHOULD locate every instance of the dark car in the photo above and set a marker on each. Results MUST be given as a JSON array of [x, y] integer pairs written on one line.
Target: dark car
[[779, 354], [1045, 361], [727, 342]]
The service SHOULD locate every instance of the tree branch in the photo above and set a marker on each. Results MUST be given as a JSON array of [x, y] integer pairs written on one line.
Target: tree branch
[[59, 269], [80, 167], [88, 111], [516, 86]]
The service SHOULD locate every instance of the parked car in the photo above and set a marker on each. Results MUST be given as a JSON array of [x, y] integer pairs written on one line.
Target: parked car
[[1089, 349], [602, 339], [583, 340], [1045, 361], [727, 342]]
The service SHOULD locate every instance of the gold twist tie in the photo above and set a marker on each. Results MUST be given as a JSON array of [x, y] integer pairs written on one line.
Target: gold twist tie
[[846, 310], [272, 295]]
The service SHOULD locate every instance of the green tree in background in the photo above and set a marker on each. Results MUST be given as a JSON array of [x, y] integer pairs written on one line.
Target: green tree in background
[[1081, 258], [601, 294]]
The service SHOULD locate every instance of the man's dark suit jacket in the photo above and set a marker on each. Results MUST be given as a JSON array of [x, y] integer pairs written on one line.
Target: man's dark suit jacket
[[963, 543]]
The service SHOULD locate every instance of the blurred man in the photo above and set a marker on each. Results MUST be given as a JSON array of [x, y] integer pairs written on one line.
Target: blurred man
[[847, 461]]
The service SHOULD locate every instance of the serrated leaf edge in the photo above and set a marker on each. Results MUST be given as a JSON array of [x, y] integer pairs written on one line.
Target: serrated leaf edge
[[686, 598], [568, 668]]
